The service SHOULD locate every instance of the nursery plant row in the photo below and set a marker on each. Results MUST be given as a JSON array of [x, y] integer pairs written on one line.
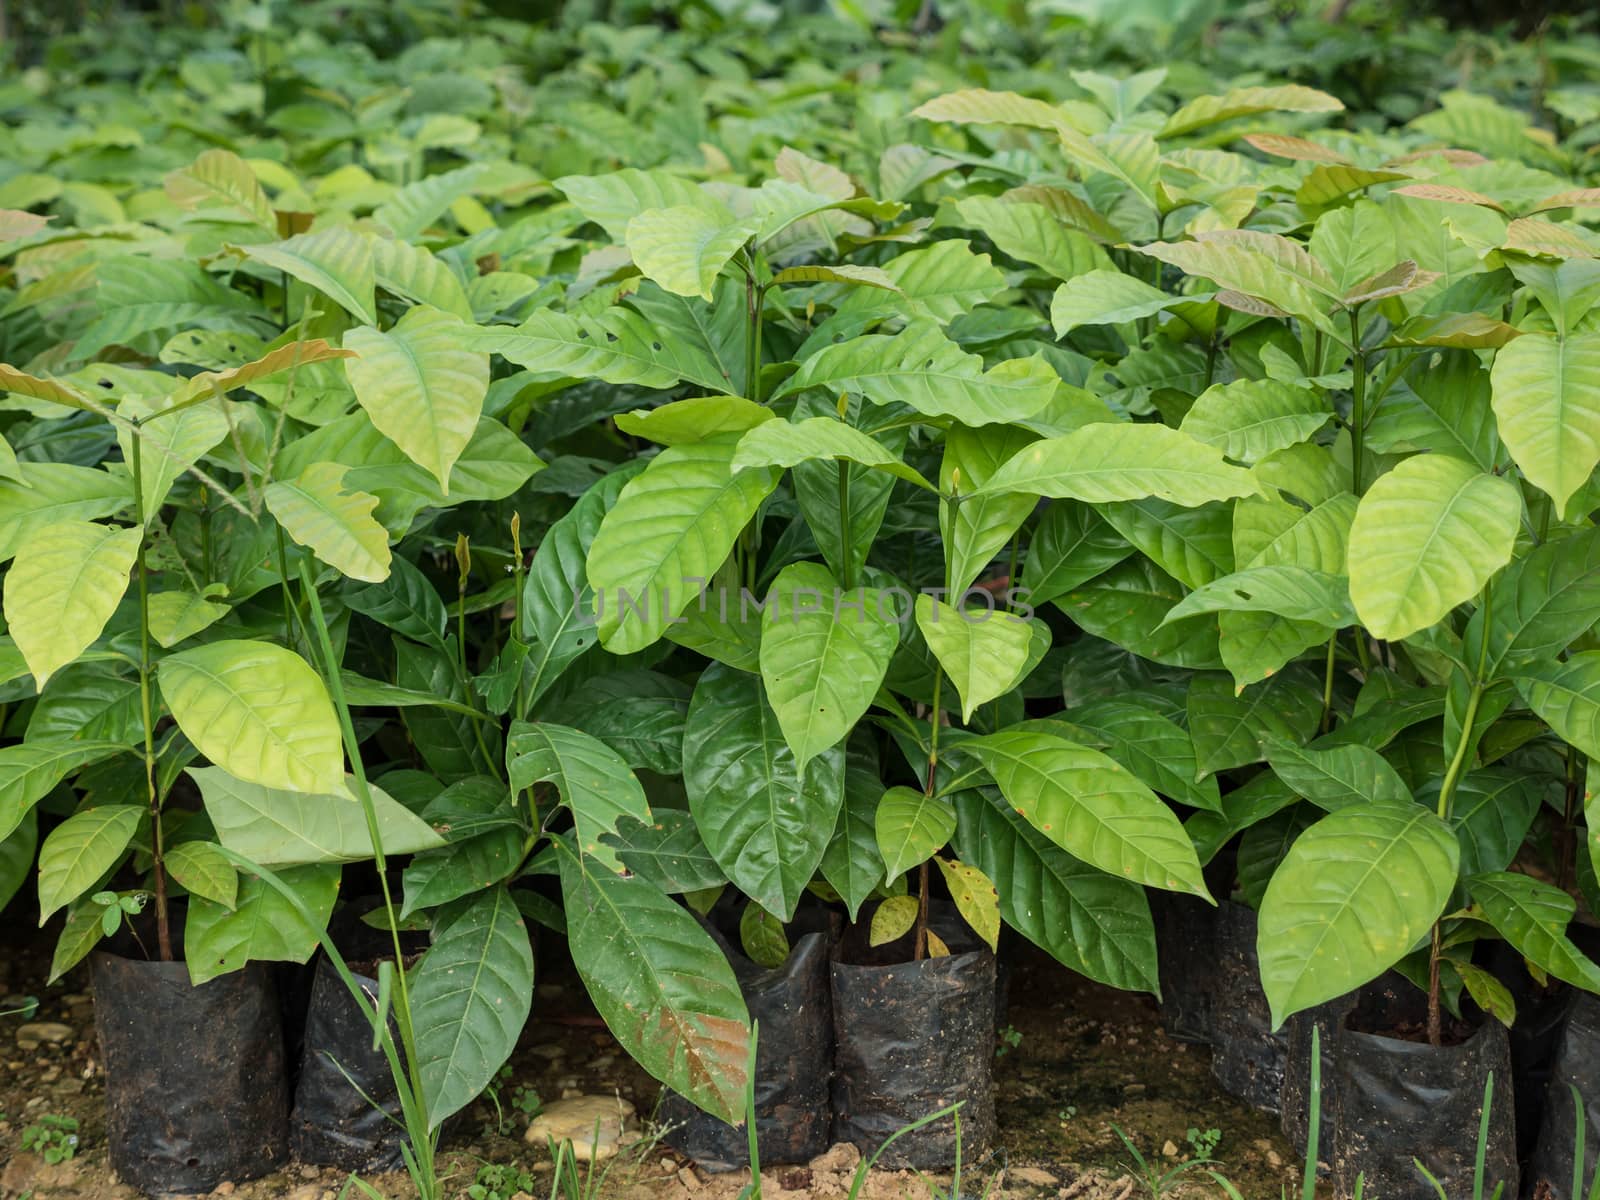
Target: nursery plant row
[[780, 508]]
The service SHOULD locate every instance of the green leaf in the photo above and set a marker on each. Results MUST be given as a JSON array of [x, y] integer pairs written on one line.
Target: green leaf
[[1247, 101], [421, 386], [1031, 234], [1445, 409], [1231, 728], [617, 345], [1154, 748], [892, 919], [686, 247], [1071, 545], [982, 650], [824, 652], [1290, 592], [49, 493], [670, 529], [276, 828], [412, 272], [910, 827], [1427, 537], [336, 261], [1109, 297], [852, 863], [1263, 266], [593, 780], [470, 997], [1194, 545], [336, 525], [177, 616], [845, 273], [766, 823], [221, 180], [1105, 462], [1493, 810], [1545, 600], [404, 602], [67, 580], [80, 934], [1338, 777], [762, 937], [262, 925], [662, 985], [923, 369], [976, 529], [1533, 917], [786, 444], [695, 420], [1566, 695], [169, 444], [1089, 921], [1544, 402], [666, 851], [16, 857], [80, 850], [257, 711], [1127, 605], [1090, 806], [612, 200], [30, 770], [204, 871], [1251, 418], [1354, 895]]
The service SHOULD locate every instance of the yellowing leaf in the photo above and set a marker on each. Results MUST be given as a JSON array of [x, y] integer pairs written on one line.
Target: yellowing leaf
[[66, 582], [337, 525], [976, 899]]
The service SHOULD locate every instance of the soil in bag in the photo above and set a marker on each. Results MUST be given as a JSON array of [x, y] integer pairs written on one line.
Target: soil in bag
[[196, 1091], [1577, 1063], [794, 1054], [1295, 1103], [1397, 1098], [1247, 1056], [913, 1038], [346, 1107], [1186, 951]]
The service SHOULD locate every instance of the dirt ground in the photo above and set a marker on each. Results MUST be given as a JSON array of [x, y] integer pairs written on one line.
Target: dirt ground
[[1075, 1060]]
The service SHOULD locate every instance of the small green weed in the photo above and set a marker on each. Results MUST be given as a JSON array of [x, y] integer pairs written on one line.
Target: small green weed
[[52, 1138]]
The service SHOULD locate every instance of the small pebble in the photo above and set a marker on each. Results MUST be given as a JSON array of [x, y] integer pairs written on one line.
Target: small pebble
[[1170, 1149]]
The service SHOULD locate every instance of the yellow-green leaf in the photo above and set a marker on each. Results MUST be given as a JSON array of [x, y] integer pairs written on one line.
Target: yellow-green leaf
[[66, 582], [337, 525]]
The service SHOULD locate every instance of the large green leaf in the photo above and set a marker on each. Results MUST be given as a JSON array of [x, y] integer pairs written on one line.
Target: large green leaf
[[275, 828], [669, 530], [1427, 537], [1071, 544], [910, 826], [1247, 101], [1533, 917], [977, 528], [786, 444], [1494, 808], [1545, 600], [421, 386], [667, 852], [852, 863], [1231, 728], [1091, 806], [1154, 748], [617, 345], [169, 444], [1193, 545], [766, 823], [1251, 418], [50, 492], [1545, 391], [262, 925], [1104, 462], [16, 857], [685, 248], [257, 711], [921, 368], [593, 780], [612, 200], [203, 869], [824, 652], [1566, 694], [29, 770], [1031, 234], [337, 525], [664, 988], [82, 849], [470, 996], [411, 271], [1290, 592], [67, 580], [984, 651], [1088, 920], [336, 261], [1354, 895], [1339, 776], [1109, 297]]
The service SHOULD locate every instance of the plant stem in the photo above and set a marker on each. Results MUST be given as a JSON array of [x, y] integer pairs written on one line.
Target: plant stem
[[919, 949], [1435, 1037], [146, 710], [754, 299], [1327, 684], [1358, 404]]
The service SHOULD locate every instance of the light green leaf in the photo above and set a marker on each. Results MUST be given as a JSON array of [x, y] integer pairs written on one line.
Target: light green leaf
[[617, 345], [1566, 695], [1250, 419], [175, 616], [421, 386], [976, 899], [909, 827], [1106, 462], [1355, 894], [670, 529], [336, 262], [411, 271], [1245, 102], [1338, 777], [788, 443], [29, 770], [982, 650], [1290, 592], [259, 712], [205, 871], [685, 248], [845, 273], [1533, 917], [1427, 536], [67, 580], [694, 419], [262, 925], [1547, 404], [276, 828], [52, 492], [612, 200], [1092, 807], [1029, 233], [336, 525], [824, 652], [1109, 297], [82, 849], [170, 444]]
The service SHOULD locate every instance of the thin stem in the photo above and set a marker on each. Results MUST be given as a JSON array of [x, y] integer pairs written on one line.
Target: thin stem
[[1435, 1037], [919, 949], [754, 300], [147, 712], [1358, 404], [1327, 684]]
